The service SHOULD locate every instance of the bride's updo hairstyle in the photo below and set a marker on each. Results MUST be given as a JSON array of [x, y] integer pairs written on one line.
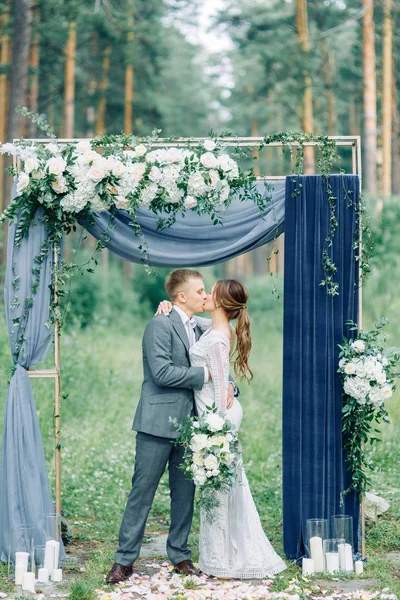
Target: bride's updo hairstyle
[[231, 296]]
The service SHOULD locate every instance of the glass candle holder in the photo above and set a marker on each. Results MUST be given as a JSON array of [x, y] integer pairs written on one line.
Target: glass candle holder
[[52, 533], [331, 553], [317, 531], [342, 527], [20, 551]]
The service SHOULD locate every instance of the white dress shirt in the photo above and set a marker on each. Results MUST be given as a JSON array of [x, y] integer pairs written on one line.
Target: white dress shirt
[[189, 325]]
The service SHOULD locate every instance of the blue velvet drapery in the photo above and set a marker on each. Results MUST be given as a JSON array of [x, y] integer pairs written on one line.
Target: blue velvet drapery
[[314, 470]]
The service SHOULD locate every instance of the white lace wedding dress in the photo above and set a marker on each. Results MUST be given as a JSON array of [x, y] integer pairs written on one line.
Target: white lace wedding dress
[[234, 545]]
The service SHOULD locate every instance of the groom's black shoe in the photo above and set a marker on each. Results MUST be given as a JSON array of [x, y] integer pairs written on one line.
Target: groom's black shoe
[[119, 573], [186, 567]]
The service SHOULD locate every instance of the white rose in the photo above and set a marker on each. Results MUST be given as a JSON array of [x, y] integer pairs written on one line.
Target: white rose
[[196, 424], [56, 165], [342, 362], [229, 458], [118, 168], [53, 148], [88, 157], [200, 479], [358, 346], [381, 378], [387, 391], [350, 368], [229, 166], [138, 170], [209, 474], [155, 174], [37, 175], [198, 442], [97, 171], [60, 185], [23, 181], [83, 146], [208, 160], [214, 421], [32, 164], [198, 459], [122, 202], [209, 145], [190, 202], [211, 462], [215, 472], [140, 150], [173, 155]]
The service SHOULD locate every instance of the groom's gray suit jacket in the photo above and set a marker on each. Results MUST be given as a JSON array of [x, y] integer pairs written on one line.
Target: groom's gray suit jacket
[[169, 380]]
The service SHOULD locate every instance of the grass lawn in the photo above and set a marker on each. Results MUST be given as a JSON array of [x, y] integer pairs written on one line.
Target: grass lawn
[[101, 373]]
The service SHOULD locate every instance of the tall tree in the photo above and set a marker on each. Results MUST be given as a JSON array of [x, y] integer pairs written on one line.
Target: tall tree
[[129, 75], [34, 70], [387, 99], [307, 116], [69, 81], [369, 71], [4, 57]]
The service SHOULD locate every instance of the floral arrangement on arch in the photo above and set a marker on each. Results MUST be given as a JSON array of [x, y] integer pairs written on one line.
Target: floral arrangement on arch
[[211, 456], [67, 179], [368, 373]]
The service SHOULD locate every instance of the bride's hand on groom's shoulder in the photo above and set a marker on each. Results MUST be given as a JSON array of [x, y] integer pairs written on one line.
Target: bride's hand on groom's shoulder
[[164, 308]]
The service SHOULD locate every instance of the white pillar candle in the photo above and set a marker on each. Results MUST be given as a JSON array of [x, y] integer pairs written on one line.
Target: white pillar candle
[[56, 575], [317, 553], [308, 566], [21, 558], [19, 571], [332, 561], [28, 581], [348, 557], [43, 575], [56, 553], [359, 565], [51, 555]]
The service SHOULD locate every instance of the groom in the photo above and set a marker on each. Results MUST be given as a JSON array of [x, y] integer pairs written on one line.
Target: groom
[[167, 392]]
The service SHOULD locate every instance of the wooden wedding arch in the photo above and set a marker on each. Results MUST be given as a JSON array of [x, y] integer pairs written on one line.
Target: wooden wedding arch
[[352, 142]]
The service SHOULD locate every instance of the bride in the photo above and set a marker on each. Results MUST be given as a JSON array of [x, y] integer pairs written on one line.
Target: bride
[[234, 545]]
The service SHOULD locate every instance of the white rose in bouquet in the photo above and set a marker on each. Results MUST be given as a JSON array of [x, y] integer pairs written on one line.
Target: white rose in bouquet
[[387, 391], [173, 155], [209, 474], [53, 148], [23, 181], [98, 170], [138, 170], [190, 202], [56, 165], [211, 462], [37, 175], [88, 157], [228, 165], [214, 421], [209, 145], [155, 174], [342, 362], [198, 459], [358, 346], [32, 164], [229, 457], [60, 185], [381, 378], [350, 368], [199, 442], [209, 160], [83, 146], [140, 150], [121, 202]]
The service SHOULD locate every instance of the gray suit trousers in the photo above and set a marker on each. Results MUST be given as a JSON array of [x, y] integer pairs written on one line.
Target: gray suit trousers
[[152, 455]]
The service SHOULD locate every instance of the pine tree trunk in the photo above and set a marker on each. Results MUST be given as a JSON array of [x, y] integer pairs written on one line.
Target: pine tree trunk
[[327, 61], [34, 67], [92, 86], [69, 83], [129, 79], [101, 111], [5, 43], [395, 136], [369, 73], [387, 99], [307, 120]]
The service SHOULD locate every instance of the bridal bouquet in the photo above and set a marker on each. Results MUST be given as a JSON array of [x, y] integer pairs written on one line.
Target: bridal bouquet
[[368, 374], [211, 456]]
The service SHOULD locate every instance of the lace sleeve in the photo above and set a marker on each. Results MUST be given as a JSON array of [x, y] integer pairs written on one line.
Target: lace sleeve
[[218, 362], [203, 322]]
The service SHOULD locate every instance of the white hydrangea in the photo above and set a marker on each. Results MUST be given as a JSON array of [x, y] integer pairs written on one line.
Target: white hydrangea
[[137, 170], [97, 204], [196, 184], [376, 396], [357, 388], [155, 174], [121, 202], [83, 146], [175, 194], [224, 192], [148, 194], [53, 148], [173, 155], [73, 203], [170, 176], [31, 164], [190, 202], [159, 156]]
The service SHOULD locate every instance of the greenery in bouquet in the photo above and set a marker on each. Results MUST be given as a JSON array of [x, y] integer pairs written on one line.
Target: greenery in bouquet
[[211, 456], [368, 373]]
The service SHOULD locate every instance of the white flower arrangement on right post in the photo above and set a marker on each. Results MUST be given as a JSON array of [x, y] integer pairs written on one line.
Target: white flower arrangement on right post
[[368, 373]]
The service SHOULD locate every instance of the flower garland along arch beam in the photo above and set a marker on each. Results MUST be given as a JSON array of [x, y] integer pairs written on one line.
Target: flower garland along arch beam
[[244, 185]]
